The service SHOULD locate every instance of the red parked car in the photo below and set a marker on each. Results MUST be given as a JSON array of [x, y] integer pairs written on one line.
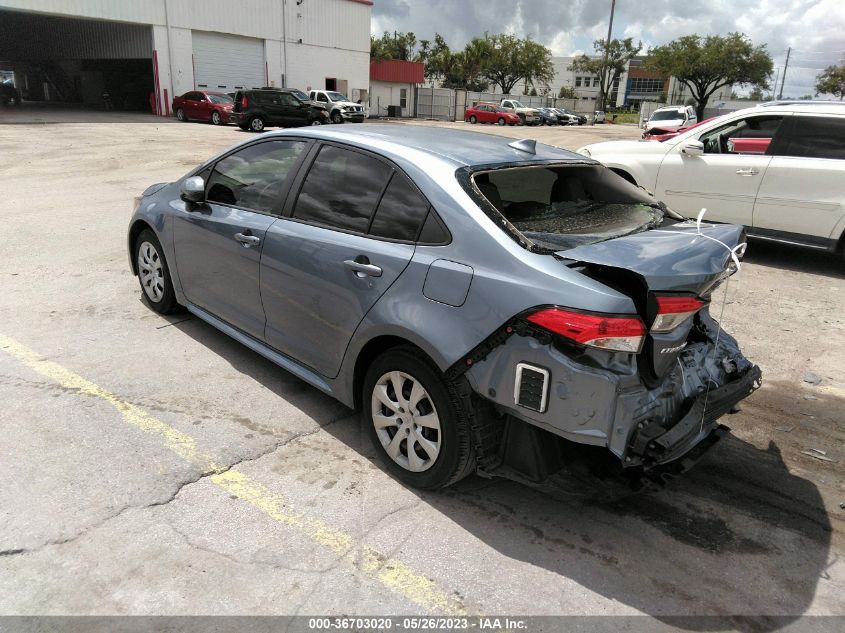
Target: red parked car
[[201, 105], [490, 113], [657, 134]]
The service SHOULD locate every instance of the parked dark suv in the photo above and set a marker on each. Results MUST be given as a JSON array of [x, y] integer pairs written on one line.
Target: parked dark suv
[[276, 107]]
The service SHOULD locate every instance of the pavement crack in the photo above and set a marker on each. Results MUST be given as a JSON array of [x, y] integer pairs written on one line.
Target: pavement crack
[[170, 497]]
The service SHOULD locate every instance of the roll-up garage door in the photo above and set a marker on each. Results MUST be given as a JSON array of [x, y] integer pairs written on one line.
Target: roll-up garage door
[[227, 62]]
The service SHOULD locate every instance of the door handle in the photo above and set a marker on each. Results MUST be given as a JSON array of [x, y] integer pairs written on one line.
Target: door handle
[[750, 171], [362, 268], [247, 240]]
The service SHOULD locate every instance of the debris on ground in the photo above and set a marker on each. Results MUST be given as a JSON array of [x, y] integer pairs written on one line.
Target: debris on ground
[[784, 429], [812, 378], [820, 455]]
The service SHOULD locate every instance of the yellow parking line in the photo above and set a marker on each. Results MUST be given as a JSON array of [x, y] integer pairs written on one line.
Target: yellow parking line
[[391, 573]]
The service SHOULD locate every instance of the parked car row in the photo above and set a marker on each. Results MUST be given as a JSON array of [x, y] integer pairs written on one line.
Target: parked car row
[[260, 108], [511, 112]]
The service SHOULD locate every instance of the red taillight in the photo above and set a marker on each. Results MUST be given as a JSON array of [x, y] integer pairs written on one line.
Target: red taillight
[[244, 102], [672, 310], [621, 334]]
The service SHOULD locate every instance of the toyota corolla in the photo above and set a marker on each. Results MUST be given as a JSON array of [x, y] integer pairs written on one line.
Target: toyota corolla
[[481, 300]]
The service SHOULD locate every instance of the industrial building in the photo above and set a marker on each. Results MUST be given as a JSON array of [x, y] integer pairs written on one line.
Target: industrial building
[[142, 53]]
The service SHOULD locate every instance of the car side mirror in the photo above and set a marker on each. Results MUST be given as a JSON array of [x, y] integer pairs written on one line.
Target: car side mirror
[[693, 148], [193, 189]]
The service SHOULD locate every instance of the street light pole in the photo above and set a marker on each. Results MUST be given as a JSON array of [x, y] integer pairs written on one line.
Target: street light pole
[[783, 77], [606, 48]]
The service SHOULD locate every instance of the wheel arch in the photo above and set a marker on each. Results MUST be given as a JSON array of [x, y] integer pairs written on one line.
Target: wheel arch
[[134, 231], [372, 349]]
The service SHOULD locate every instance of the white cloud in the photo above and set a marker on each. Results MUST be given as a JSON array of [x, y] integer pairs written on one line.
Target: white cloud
[[814, 28]]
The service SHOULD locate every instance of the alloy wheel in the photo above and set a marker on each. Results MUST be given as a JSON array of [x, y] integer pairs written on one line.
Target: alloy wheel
[[215, 117], [151, 271], [406, 421], [256, 124], [180, 114]]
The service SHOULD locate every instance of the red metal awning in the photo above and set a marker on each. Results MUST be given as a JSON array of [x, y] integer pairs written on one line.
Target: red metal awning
[[397, 71]]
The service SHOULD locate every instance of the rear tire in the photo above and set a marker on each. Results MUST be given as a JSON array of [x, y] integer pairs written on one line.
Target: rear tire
[[409, 406], [154, 274], [501, 120], [256, 124], [180, 114]]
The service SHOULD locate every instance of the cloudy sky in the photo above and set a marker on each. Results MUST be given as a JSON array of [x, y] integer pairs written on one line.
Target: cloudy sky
[[815, 29]]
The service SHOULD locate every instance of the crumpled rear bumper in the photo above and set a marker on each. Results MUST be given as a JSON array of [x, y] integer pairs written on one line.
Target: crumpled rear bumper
[[657, 446]]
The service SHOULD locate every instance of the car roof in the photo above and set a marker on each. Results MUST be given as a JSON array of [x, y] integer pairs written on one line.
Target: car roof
[[825, 107], [460, 148]]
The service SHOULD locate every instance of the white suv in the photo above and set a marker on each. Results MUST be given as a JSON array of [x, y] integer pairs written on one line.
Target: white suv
[[672, 118], [778, 168], [341, 109]]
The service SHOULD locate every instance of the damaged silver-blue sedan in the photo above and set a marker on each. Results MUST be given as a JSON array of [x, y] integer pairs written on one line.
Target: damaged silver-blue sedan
[[482, 300]]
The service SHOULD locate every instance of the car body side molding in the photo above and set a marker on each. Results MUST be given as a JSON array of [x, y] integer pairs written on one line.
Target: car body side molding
[[308, 375]]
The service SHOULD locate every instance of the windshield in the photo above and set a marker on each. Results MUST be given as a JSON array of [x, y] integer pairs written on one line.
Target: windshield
[[517, 104], [300, 95], [561, 207], [336, 96], [220, 99], [667, 115]]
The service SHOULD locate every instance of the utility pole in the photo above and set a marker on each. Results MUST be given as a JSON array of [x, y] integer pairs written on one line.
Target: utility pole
[[783, 77], [606, 47]]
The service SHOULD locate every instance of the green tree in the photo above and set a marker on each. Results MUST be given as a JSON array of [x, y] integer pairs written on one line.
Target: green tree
[[511, 59], [756, 94], [705, 64], [831, 81], [461, 70], [567, 92], [394, 46], [608, 63]]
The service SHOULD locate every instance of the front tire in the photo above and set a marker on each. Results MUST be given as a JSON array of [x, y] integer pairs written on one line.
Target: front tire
[[154, 274], [336, 117], [521, 119], [418, 423], [501, 120], [215, 118], [473, 120]]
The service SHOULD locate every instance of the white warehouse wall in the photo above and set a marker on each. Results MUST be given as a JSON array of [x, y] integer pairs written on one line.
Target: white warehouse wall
[[321, 38]]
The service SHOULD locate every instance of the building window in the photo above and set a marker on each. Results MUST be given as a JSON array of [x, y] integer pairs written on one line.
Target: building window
[[577, 82], [403, 98], [644, 85]]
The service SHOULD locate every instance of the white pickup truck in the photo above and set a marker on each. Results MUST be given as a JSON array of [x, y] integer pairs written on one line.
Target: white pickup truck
[[341, 109], [527, 116]]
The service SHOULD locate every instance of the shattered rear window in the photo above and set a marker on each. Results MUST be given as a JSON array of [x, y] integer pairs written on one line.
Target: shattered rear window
[[561, 207]]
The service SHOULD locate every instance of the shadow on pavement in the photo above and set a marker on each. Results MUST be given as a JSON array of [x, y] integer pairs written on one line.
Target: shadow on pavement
[[738, 535], [795, 258]]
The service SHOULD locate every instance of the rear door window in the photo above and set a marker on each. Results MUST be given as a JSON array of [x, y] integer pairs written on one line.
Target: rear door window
[[341, 189], [256, 176], [816, 137], [400, 212]]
